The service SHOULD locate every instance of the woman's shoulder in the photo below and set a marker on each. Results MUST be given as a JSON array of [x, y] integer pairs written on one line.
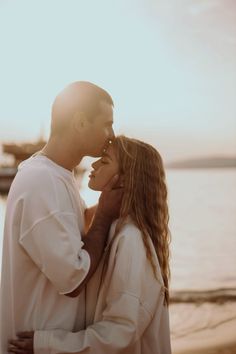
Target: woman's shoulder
[[129, 242], [128, 231], [131, 268]]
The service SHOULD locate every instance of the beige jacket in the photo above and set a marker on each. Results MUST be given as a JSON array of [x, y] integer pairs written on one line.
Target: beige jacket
[[125, 314]]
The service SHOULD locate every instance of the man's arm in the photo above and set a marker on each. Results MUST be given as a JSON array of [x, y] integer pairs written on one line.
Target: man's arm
[[88, 217], [108, 209]]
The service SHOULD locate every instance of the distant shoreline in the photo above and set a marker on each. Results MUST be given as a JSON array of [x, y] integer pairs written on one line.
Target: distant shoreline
[[217, 296], [183, 167], [204, 163]]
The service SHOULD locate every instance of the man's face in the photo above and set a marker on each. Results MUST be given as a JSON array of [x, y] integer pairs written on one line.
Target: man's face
[[100, 130]]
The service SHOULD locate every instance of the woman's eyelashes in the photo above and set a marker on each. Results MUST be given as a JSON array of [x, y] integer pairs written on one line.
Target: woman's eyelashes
[[98, 163], [105, 162]]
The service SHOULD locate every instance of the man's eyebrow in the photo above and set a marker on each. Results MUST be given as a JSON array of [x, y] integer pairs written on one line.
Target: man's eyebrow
[[109, 122]]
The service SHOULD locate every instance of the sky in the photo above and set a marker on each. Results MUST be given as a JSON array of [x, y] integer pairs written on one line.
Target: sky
[[170, 66]]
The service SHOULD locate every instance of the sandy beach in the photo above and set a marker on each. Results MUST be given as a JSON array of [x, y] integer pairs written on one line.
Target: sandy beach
[[206, 328]]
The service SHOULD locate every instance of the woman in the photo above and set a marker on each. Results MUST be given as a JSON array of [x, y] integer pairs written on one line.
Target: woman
[[127, 298]]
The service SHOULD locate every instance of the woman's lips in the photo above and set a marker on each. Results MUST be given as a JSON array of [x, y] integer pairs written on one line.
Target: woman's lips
[[91, 175]]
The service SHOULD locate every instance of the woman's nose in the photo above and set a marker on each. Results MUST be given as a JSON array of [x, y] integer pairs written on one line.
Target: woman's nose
[[95, 164]]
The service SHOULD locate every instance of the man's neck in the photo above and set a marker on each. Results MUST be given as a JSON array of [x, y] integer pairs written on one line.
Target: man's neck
[[60, 153]]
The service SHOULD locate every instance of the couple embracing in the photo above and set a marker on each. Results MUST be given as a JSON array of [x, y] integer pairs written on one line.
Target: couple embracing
[[86, 280]]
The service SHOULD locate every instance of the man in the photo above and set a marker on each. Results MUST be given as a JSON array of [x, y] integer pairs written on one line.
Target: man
[[47, 258]]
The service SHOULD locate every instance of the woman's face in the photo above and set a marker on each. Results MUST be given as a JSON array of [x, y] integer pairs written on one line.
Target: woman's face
[[103, 170]]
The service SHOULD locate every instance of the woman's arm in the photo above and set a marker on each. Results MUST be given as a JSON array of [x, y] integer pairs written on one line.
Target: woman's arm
[[123, 323]]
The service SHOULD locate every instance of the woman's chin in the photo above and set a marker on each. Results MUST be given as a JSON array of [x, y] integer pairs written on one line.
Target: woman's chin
[[94, 187]]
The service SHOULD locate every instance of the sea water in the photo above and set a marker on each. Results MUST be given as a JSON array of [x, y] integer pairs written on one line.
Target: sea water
[[202, 205]]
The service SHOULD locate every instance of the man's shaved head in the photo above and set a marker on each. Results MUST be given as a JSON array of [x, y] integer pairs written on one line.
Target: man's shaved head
[[79, 97]]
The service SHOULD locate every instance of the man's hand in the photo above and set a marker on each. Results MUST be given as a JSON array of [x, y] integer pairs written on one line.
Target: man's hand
[[110, 199], [23, 345], [88, 217]]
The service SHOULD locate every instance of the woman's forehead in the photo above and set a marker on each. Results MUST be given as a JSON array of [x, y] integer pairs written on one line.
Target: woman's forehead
[[110, 152]]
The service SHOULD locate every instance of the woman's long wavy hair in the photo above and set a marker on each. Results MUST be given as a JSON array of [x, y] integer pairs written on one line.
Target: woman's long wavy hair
[[145, 199]]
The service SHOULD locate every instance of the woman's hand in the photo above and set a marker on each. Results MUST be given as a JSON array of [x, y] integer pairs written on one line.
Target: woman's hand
[[23, 345]]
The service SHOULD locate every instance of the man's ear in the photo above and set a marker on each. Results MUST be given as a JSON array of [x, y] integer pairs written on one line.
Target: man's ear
[[79, 120]]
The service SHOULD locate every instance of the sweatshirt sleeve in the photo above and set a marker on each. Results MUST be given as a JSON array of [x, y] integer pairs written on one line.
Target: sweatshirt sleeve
[[54, 245], [50, 233]]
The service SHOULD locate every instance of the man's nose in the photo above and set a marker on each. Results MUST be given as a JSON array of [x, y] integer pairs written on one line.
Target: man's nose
[[112, 134]]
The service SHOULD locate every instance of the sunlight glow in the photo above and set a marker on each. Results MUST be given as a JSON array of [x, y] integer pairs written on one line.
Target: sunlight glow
[[169, 66]]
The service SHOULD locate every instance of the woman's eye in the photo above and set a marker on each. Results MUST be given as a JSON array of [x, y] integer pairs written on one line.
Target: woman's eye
[[104, 162]]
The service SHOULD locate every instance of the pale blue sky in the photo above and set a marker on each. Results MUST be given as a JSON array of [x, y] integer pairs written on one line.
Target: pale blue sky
[[170, 66]]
